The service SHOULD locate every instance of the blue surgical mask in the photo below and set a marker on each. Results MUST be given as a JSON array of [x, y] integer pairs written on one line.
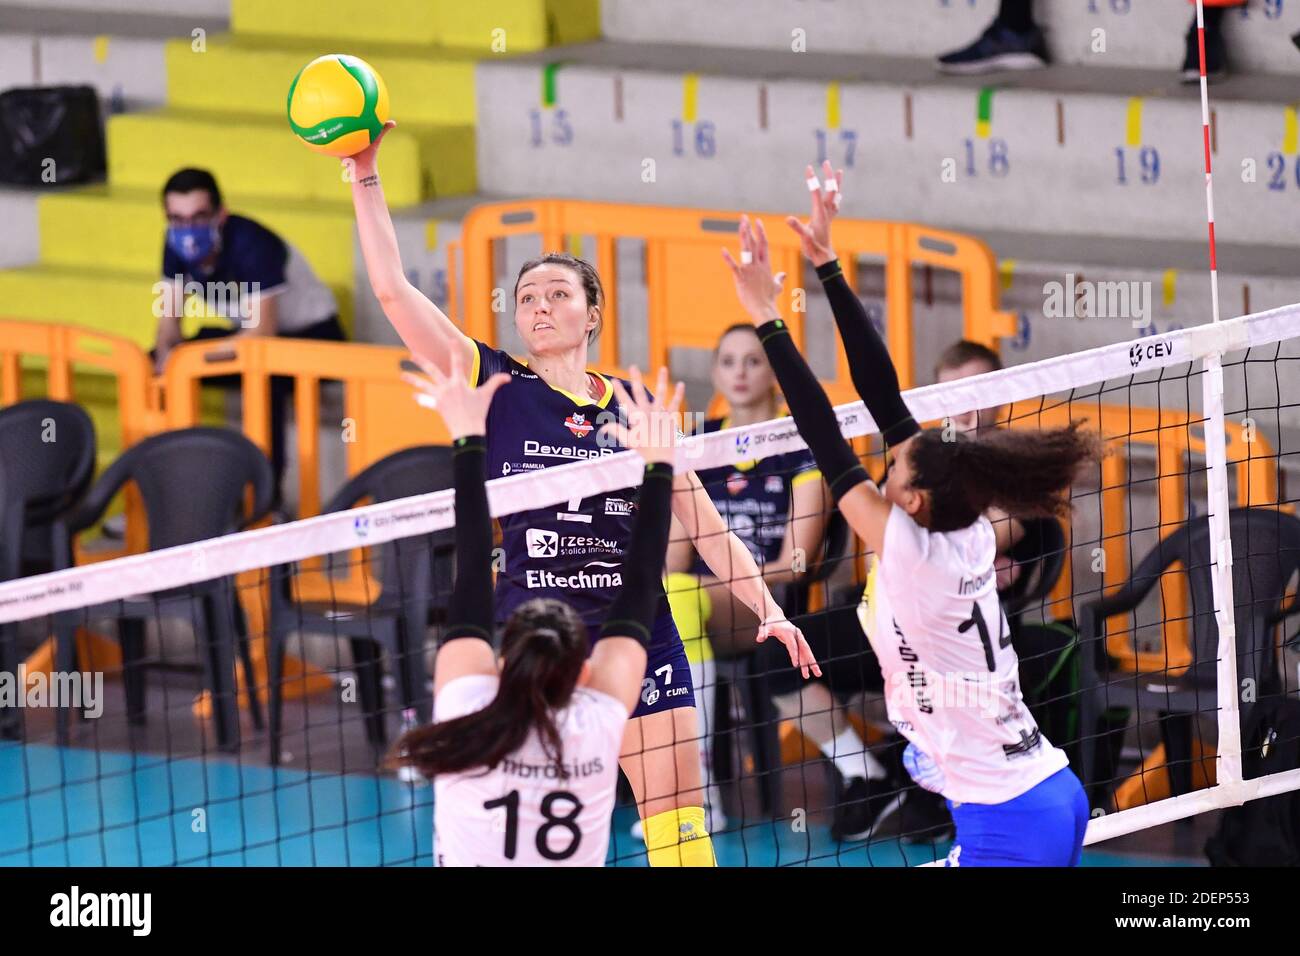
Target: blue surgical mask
[[193, 243]]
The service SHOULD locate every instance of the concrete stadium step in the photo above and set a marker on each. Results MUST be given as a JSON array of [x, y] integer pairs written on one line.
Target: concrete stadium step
[[259, 156], [118, 53], [100, 227], [1071, 151], [157, 19], [523, 24], [110, 301], [253, 73], [1138, 34], [144, 9], [1167, 282], [105, 300], [20, 238]]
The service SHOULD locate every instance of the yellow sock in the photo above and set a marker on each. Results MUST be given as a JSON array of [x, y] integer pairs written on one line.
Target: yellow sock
[[690, 607], [678, 838]]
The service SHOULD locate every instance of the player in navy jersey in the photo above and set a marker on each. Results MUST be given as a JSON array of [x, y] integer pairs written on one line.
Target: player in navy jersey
[[524, 749], [759, 500], [931, 609], [549, 416]]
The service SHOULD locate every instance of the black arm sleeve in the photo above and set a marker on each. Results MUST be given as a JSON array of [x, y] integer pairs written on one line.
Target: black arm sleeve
[[470, 610], [633, 612], [869, 363], [812, 410]]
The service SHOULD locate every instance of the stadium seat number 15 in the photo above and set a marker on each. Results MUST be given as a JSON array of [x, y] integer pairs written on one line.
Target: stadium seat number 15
[[567, 821]]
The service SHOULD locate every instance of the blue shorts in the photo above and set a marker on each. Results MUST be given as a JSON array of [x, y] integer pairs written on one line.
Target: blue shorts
[[1041, 827], [667, 684]]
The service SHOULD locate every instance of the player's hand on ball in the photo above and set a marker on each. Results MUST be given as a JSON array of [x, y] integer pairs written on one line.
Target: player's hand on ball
[[366, 162], [756, 287], [463, 407], [801, 655]]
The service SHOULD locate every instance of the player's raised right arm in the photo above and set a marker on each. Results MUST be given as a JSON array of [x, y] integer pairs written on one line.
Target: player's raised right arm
[[425, 329]]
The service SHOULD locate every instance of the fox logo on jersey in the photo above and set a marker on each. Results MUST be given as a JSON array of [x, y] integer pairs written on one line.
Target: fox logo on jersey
[[542, 543], [578, 424]]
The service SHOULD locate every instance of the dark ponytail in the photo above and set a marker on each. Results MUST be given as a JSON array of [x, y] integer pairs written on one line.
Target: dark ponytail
[[543, 649], [1025, 473]]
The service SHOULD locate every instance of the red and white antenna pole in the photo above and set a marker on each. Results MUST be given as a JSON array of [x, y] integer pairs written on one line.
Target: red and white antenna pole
[[1229, 762], [1209, 180]]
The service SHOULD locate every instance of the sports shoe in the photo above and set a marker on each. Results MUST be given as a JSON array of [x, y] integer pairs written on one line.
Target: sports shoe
[[998, 48], [861, 806], [1216, 57], [925, 818]]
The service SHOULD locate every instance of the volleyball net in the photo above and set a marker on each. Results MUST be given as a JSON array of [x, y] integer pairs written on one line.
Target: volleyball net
[[228, 702]]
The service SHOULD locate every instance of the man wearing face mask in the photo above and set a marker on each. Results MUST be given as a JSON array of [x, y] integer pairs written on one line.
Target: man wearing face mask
[[250, 277]]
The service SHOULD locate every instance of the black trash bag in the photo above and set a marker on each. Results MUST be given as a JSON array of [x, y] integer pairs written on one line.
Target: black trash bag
[[51, 136]]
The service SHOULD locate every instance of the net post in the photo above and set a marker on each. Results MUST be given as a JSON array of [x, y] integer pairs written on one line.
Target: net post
[[1218, 504]]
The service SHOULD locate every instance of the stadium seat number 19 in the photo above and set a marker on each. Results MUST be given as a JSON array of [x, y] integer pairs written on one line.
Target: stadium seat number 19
[[566, 821]]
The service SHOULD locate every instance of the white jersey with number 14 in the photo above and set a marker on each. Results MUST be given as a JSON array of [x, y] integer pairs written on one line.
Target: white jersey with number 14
[[952, 678]]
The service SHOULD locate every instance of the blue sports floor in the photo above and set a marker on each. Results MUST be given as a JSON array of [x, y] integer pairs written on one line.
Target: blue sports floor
[[61, 807]]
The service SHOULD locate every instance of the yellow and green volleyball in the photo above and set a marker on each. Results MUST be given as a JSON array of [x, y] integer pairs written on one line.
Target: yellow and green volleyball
[[337, 104]]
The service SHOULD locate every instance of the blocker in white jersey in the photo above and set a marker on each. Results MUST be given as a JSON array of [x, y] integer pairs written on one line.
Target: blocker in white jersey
[[952, 684], [530, 810]]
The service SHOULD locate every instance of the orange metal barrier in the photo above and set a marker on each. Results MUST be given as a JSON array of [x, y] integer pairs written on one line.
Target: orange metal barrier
[[77, 361], [691, 294], [380, 417], [1176, 436]]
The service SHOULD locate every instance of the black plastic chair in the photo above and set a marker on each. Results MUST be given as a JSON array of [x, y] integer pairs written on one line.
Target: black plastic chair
[[1265, 554], [750, 672], [193, 484], [47, 452], [1040, 554], [414, 582]]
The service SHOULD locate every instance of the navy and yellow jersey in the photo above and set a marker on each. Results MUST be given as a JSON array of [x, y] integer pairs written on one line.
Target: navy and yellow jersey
[[572, 551], [754, 497]]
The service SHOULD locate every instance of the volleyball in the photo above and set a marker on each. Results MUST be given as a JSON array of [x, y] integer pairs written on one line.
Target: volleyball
[[337, 104]]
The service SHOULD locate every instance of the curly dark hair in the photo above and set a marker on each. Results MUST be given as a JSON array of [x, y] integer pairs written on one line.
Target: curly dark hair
[[1025, 473]]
